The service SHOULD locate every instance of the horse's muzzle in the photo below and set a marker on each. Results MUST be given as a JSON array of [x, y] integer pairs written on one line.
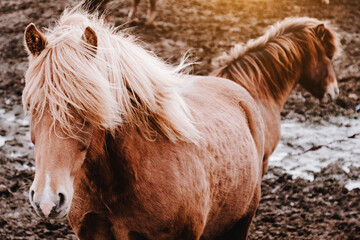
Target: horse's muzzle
[[47, 208], [331, 93]]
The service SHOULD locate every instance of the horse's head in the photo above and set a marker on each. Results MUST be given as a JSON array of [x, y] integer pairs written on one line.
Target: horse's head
[[58, 154], [318, 75], [58, 158]]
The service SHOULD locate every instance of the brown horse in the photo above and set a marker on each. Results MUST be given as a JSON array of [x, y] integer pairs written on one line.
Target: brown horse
[[131, 148], [296, 50], [151, 12]]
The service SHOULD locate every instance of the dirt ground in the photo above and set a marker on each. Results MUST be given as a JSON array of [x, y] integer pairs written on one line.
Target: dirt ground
[[321, 206]]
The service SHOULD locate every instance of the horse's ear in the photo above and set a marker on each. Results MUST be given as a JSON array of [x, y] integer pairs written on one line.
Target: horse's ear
[[320, 31], [89, 36], [35, 41]]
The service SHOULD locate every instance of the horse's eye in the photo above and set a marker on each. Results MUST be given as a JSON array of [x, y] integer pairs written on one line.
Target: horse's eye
[[82, 147]]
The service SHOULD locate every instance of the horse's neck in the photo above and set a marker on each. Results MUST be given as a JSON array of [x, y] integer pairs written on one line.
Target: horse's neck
[[275, 106], [106, 171], [270, 110]]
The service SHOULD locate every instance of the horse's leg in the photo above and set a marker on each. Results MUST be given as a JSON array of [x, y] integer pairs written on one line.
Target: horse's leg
[[132, 13], [151, 13], [241, 228], [265, 164], [94, 226]]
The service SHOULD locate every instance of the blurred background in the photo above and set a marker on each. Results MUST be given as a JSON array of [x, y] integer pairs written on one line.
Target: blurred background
[[312, 188]]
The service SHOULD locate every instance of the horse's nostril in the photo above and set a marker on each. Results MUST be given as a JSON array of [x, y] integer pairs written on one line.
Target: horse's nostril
[[61, 199], [32, 193], [329, 97]]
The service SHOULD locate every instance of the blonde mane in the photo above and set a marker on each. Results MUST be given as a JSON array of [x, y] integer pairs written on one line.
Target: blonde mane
[[265, 66], [117, 83]]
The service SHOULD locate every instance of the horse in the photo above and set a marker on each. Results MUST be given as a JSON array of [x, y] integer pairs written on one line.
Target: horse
[[150, 21], [100, 5], [130, 147], [295, 50]]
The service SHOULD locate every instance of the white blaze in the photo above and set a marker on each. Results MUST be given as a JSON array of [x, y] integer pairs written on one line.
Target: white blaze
[[47, 204]]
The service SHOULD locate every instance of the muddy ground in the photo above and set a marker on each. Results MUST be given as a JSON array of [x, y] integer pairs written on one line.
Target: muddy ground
[[297, 202]]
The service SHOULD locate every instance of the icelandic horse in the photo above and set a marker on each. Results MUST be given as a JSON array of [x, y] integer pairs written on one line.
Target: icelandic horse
[[295, 50], [130, 147]]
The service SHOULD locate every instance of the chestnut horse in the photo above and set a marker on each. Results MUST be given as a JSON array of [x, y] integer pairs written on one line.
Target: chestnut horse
[[132, 148], [296, 50]]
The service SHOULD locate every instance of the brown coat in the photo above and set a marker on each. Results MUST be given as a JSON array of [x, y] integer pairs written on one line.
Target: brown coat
[[165, 190]]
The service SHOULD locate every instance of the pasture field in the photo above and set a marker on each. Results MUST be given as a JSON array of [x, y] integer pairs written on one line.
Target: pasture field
[[312, 189]]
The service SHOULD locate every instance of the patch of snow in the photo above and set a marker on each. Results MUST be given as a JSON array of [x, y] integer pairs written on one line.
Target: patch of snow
[[7, 116], [345, 169], [15, 155], [338, 139], [2, 141], [352, 184], [25, 167], [23, 121]]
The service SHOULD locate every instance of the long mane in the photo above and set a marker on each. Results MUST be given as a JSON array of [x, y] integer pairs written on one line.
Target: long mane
[[265, 66], [117, 83]]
